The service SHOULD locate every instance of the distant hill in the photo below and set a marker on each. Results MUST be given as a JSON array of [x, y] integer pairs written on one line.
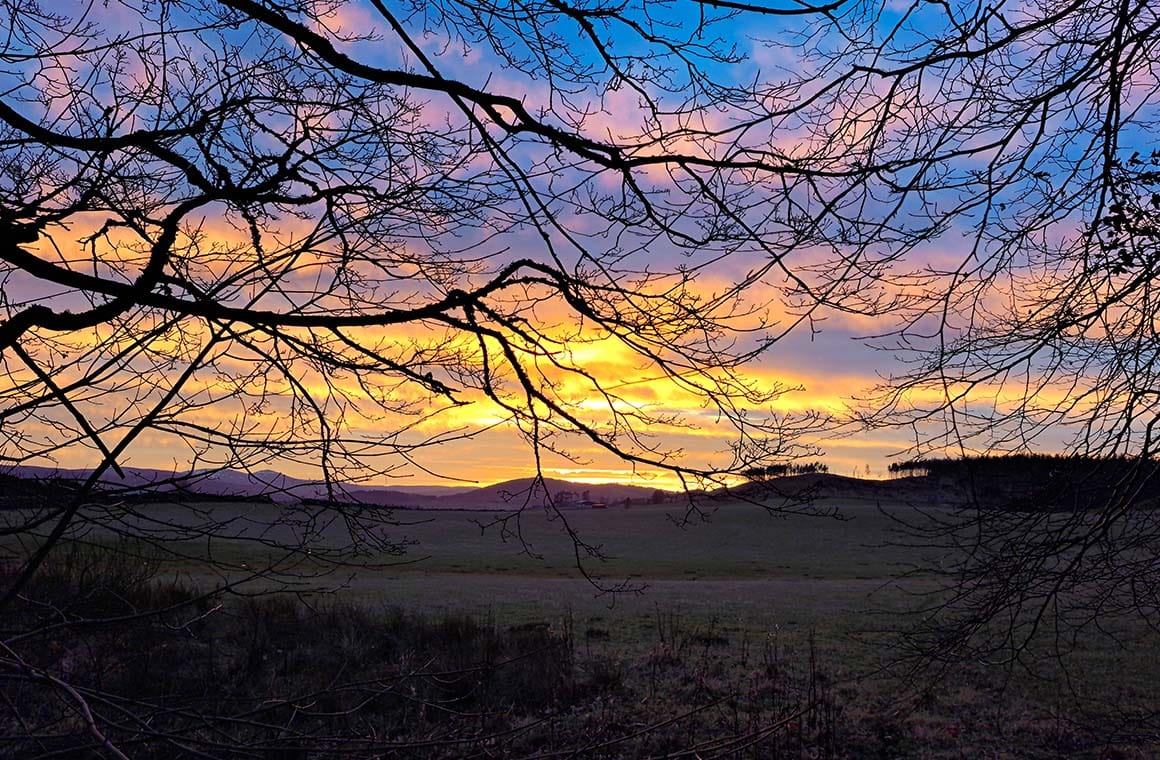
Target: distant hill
[[830, 486], [28, 485], [513, 494], [1047, 485], [21, 486], [266, 484], [559, 491]]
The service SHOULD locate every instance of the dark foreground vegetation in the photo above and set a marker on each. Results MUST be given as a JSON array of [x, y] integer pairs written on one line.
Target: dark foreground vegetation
[[282, 677]]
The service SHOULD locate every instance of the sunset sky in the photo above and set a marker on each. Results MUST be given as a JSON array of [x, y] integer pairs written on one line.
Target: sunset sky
[[820, 373]]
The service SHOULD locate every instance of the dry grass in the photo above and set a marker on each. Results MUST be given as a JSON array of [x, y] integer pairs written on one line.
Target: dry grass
[[477, 661]]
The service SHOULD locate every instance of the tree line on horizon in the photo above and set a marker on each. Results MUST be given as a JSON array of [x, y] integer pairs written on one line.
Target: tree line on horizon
[[781, 470], [1023, 464]]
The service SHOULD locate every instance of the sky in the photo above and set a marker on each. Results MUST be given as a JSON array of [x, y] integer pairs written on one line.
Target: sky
[[828, 368]]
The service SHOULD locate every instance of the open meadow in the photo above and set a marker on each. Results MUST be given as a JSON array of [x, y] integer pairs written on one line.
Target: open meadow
[[737, 563], [749, 624]]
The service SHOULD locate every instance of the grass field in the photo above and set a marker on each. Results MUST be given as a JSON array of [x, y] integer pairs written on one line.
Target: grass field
[[718, 595], [738, 563]]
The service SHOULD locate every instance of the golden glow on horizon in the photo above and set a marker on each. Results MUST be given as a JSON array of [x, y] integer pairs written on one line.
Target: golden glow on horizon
[[615, 381], [501, 454]]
